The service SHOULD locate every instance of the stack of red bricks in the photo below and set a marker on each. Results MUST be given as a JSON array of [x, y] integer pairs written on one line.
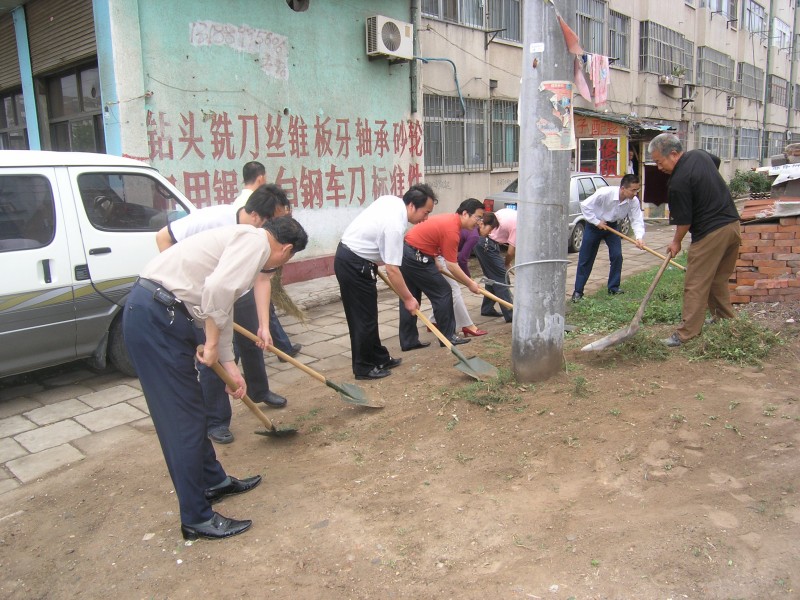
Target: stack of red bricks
[[769, 263]]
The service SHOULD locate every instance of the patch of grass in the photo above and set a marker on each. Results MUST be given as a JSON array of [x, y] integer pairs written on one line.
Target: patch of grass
[[740, 341], [644, 346], [699, 396], [463, 458], [309, 415], [486, 393], [581, 389], [615, 412]]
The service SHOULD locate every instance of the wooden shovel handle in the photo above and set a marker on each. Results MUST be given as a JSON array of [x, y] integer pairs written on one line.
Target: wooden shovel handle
[[223, 374], [650, 250], [486, 293], [293, 361], [419, 315]]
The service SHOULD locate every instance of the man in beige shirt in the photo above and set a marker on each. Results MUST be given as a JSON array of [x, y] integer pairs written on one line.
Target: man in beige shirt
[[198, 280]]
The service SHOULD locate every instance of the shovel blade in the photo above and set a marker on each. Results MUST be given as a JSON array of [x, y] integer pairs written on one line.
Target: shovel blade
[[612, 339], [278, 432], [353, 394], [475, 367]]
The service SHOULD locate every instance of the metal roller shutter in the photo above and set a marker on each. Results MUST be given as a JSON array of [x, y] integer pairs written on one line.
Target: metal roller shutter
[[60, 33], [9, 62]]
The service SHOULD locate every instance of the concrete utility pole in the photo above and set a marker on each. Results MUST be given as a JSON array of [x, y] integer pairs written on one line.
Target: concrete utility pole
[[541, 259]]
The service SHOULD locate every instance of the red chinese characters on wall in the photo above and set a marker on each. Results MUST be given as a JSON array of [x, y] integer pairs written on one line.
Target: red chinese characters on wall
[[608, 157], [312, 160]]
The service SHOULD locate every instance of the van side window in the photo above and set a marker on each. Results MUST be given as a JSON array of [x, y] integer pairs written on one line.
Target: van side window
[[27, 212], [127, 202], [586, 188]]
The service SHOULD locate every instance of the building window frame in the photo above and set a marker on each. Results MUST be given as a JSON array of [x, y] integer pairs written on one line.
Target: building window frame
[[463, 12], [455, 142], [664, 51], [619, 39], [715, 139], [777, 91], [13, 124], [726, 8], [715, 69], [774, 143], [755, 19], [505, 134], [599, 155], [507, 16], [750, 81], [748, 144], [591, 25], [782, 35], [75, 121]]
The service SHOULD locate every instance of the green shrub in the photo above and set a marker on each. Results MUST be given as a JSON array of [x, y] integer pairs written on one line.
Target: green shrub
[[744, 183]]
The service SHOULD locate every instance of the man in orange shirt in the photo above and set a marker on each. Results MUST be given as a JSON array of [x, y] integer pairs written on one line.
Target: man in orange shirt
[[439, 235]]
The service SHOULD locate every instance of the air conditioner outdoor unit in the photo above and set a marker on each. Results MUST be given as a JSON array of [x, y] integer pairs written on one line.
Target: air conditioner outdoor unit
[[731, 102], [390, 38]]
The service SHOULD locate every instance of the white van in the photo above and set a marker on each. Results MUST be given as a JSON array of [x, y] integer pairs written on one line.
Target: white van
[[75, 230]]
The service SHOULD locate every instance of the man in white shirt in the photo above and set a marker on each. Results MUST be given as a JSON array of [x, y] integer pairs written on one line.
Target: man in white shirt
[[604, 210], [376, 235]]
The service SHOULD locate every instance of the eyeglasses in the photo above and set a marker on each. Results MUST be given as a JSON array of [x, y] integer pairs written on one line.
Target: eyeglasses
[[479, 219]]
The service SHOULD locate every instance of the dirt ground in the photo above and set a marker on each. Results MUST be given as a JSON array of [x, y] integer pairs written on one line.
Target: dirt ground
[[611, 480]]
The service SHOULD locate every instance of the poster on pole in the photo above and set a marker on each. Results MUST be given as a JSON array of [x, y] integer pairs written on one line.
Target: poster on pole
[[558, 126]]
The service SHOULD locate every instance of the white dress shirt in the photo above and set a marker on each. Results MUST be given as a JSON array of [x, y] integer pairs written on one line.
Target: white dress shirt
[[604, 205]]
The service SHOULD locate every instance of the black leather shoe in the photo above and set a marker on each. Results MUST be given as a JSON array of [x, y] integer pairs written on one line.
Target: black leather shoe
[[456, 341], [491, 313], [615, 292], [236, 486], [220, 435], [274, 400], [393, 362], [295, 351], [220, 527], [416, 346], [577, 297], [375, 373]]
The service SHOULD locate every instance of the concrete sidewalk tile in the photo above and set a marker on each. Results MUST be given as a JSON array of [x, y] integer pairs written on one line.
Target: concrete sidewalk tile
[[343, 341], [17, 406], [33, 466], [51, 435], [310, 337], [16, 391], [322, 321], [64, 392], [9, 450], [286, 382], [14, 425], [322, 350], [106, 418], [57, 412], [140, 403], [6, 485], [336, 329], [99, 443], [331, 363], [109, 396]]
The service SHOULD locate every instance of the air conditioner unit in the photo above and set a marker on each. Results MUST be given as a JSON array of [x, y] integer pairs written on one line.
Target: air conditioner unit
[[390, 38], [731, 102]]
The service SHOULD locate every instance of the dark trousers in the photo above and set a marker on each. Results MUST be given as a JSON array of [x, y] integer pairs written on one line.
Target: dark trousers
[[491, 260], [162, 344], [279, 338], [423, 276], [356, 277], [255, 372], [592, 236]]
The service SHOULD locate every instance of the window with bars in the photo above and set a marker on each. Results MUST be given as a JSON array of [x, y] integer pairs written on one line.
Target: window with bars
[[723, 7], [781, 35], [75, 111], [505, 134], [591, 25], [776, 142], [751, 81], [454, 141], [776, 90], [796, 103], [465, 12], [619, 34], [715, 139], [664, 51], [755, 18], [13, 127], [747, 143], [506, 15], [715, 69]]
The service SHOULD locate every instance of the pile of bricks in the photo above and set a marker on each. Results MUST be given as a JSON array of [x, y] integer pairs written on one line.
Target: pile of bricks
[[769, 263]]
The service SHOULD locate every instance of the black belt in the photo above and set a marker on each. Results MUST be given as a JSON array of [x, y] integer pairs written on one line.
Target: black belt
[[163, 296], [419, 253]]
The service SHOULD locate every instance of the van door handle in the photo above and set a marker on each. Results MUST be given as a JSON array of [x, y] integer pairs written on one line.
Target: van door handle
[[105, 250], [48, 278]]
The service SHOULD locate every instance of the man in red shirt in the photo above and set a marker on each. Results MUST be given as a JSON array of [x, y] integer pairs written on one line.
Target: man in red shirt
[[439, 235]]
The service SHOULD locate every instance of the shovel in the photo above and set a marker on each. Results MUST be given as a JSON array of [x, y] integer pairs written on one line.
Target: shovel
[[486, 293], [271, 430], [474, 367], [347, 391], [625, 333], [650, 250]]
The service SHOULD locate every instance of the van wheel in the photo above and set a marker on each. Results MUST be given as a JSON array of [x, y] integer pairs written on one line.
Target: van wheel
[[117, 352], [576, 237]]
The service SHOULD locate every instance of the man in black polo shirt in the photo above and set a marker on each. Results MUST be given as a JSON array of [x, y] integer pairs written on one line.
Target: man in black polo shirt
[[701, 204]]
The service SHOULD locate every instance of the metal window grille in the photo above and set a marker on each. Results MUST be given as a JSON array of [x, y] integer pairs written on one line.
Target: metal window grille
[[505, 134], [13, 130], [591, 25], [506, 15], [776, 143], [723, 7], [747, 144], [755, 18], [619, 34], [796, 103], [776, 90], [715, 69], [782, 34], [751, 81], [465, 12], [454, 141], [715, 139], [664, 51]]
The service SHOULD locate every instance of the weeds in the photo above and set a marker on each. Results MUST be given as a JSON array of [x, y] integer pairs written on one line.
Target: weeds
[[740, 341], [496, 391], [581, 389]]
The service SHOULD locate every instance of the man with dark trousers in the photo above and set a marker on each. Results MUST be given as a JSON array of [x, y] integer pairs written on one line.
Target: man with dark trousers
[[197, 281], [604, 210], [376, 235], [438, 236], [266, 202], [700, 203]]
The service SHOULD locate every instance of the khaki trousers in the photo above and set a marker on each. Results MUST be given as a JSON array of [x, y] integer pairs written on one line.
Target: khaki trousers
[[710, 264]]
